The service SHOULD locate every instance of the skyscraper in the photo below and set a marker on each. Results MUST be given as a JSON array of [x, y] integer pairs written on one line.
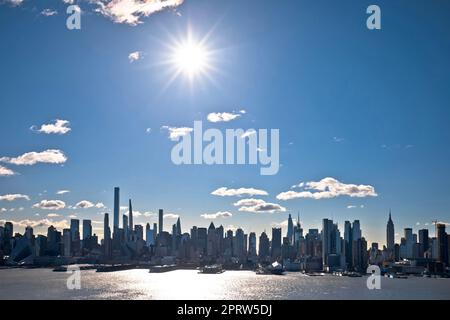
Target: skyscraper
[[116, 208], [276, 243], [390, 234], [126, 233], [178, 227], [409, 242], [252, 244], [106, 236], [67, 242], [87, 229], [75, 229], [442, 243], [160, 221], [264, 246], [424, 240], [327, 227], [290, 230], [130, 210]]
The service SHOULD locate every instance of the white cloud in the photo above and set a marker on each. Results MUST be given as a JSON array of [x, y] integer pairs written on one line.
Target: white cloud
[[62, 192], [58, 127], [133, 56], [49, 12], [100, 205], [338, 140], [4, 172], [176, 132], [137, 213], [171, 216], [225, 192], [85, 204], [329, 188], [148, 130], [130, 11], [53, 215], [258, 205], [220, 214], [15, 2], [224, 116], [50, 205], [3, 210], [68, 1], [72, 216], [283, 224], [31, 158], [13, 197]]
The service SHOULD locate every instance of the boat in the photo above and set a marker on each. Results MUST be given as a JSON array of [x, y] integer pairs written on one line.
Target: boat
[[163, 268], [212, 269], [276, 268]]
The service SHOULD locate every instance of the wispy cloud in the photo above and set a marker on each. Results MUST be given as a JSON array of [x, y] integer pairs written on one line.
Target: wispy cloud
[[329, 188], [354, 207], [220, 214], [59, 192], [50, 205], [13, 197], [49, 12], [53, 215], [30, 158], [177, 132], [225, 192], [130, 11], [171, 216], [58, 127]]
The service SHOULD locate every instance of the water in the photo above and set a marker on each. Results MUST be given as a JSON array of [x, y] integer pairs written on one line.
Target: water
[[188, 284]]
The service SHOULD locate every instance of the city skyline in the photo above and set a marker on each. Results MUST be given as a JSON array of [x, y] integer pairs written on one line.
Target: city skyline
[[362, 114]]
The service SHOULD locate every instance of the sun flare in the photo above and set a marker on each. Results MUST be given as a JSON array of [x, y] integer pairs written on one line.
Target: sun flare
[[190, 58]]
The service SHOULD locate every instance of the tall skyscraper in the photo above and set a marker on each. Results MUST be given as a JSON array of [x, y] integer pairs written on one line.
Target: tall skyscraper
[[390, 234], [178, 227], [290, 230], [409, 242], [327, 228], [106, 236], [75, 229], [442, 243], [67, 242], [116, 208], [126, 232], [276, 243], [252, 244], [160, 221], [264, 246], [424, 240], [87, 229], [356, 230], [130, 210]]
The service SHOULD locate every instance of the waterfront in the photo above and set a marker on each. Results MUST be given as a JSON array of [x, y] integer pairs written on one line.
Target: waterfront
[[189, 285]]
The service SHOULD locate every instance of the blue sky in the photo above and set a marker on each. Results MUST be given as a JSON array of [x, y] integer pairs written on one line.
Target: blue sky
[[363, 107]]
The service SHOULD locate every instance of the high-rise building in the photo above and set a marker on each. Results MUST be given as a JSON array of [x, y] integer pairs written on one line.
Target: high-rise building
[[160, 221], [149, 235], [67, 242], [442, 243], [178, 227], [264, 246], [276, 243], [409, 243], [290, 230], [107, 236], [116, 207], [390, 234], [126, 230], [87, 229], [356, 230], [424, 241], [139, 232], [327, 228], [130, 210], [75, 229], [252, 244]]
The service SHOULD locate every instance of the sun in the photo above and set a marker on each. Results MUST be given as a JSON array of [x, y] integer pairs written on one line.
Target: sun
[[190, 58]]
